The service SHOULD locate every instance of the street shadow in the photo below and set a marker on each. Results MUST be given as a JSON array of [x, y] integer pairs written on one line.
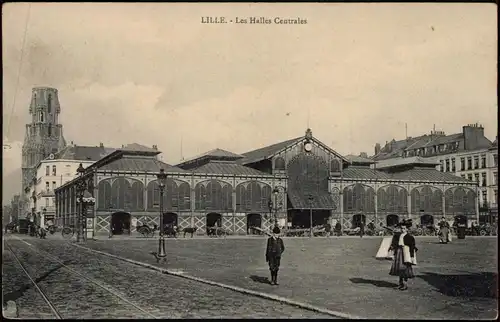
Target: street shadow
[[14, 295], [482, 285], [376, 283], [260, 279]]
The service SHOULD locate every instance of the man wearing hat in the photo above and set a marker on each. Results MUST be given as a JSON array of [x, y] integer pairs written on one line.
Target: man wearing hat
[[275, 247], [403, 244]]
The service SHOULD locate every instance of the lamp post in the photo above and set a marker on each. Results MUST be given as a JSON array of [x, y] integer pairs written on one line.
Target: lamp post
[[276, 192], [162, 255], [80, 188], [311, 199]]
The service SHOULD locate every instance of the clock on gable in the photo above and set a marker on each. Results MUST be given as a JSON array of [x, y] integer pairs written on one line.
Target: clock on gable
[[308, 146]]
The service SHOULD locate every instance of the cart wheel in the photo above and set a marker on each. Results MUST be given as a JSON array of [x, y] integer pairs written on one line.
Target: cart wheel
[[483, 233]]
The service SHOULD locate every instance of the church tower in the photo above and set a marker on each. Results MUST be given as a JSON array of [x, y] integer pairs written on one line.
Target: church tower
[[44, 134]]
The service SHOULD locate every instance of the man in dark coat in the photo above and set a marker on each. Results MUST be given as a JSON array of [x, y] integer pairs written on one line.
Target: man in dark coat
[[275, 247]]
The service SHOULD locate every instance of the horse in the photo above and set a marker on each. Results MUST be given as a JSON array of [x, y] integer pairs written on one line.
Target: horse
[[171, 231], [189, 230]]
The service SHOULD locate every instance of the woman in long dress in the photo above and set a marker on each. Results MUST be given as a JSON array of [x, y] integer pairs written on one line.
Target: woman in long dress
[[403, 245]]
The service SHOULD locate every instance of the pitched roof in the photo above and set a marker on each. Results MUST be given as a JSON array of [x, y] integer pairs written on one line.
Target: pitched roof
[[265, 152], [357, 172], [428, 175], [228, 168], [215, 154], [138, 147], [139, 164], [78, 152], [358, 159], [420, 174], [320, 200], [394, 162]]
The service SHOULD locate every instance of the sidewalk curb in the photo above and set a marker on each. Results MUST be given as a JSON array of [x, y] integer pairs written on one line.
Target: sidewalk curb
[[230, 287]]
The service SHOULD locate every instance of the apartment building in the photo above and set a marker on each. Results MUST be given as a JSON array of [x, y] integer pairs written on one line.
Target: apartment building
[[468, 154], [54, 172]]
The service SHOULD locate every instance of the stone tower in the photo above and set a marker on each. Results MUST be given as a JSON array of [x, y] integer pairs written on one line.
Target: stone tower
[[44, 134]]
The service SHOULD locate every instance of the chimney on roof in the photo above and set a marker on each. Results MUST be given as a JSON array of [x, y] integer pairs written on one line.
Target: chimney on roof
[[123, 146], [377, 148], [155, 147], [72, 143], [101, 145], [363, 155], [473, 133]]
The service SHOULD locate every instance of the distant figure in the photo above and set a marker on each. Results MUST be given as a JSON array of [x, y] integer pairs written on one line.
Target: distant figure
[[328, 229], [444, 231], [338, 229], [275, 247], [361, 229], [403, 245]]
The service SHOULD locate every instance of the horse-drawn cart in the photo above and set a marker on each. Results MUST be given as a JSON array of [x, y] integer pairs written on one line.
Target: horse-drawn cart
[[146, 231]]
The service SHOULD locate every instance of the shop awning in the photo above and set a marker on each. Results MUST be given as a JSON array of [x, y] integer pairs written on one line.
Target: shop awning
[[320, 200]]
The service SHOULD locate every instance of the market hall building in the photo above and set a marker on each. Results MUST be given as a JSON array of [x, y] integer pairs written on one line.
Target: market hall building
[[290, 179]]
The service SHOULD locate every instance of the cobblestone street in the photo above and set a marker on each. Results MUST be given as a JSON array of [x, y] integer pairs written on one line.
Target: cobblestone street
[[162, 295], [454, 281]]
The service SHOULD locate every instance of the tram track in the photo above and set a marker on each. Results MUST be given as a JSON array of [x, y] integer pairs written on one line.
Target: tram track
[[77, 292], [167, 296]]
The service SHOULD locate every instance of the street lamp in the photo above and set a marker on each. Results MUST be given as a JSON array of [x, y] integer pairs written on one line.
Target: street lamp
[[162, 255], [80, 188], [311, 199], [276, 192]]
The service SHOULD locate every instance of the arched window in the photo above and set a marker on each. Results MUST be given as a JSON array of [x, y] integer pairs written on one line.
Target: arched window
[[41, 117], [209, 196], [49, 131], [103, 195]]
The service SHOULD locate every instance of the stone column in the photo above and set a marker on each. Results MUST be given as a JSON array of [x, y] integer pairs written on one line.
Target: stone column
[[408, 205], [444, 204], [193, 204], [233, 198], [376, 208], [341, 202], [477, 205]]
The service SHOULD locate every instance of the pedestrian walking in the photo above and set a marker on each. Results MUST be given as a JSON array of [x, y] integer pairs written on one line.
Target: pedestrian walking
[[444, 231], [403, 245], [338, 229], [275, 247], [361, 229]]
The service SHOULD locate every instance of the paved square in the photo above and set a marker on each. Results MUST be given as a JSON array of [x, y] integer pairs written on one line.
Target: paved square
[[454, 281]]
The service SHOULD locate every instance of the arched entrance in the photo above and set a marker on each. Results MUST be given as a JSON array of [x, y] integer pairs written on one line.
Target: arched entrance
[[427, 220], [254, 220], [214, 220], [170, 219], [357, 220], [392, 220], [120, 223]]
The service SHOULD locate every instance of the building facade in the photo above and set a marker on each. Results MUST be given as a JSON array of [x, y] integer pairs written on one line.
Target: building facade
[[297, 180], [53, 172], [468, 154]]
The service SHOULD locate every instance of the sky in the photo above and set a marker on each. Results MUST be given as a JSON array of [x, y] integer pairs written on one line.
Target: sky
[[153, 74]]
